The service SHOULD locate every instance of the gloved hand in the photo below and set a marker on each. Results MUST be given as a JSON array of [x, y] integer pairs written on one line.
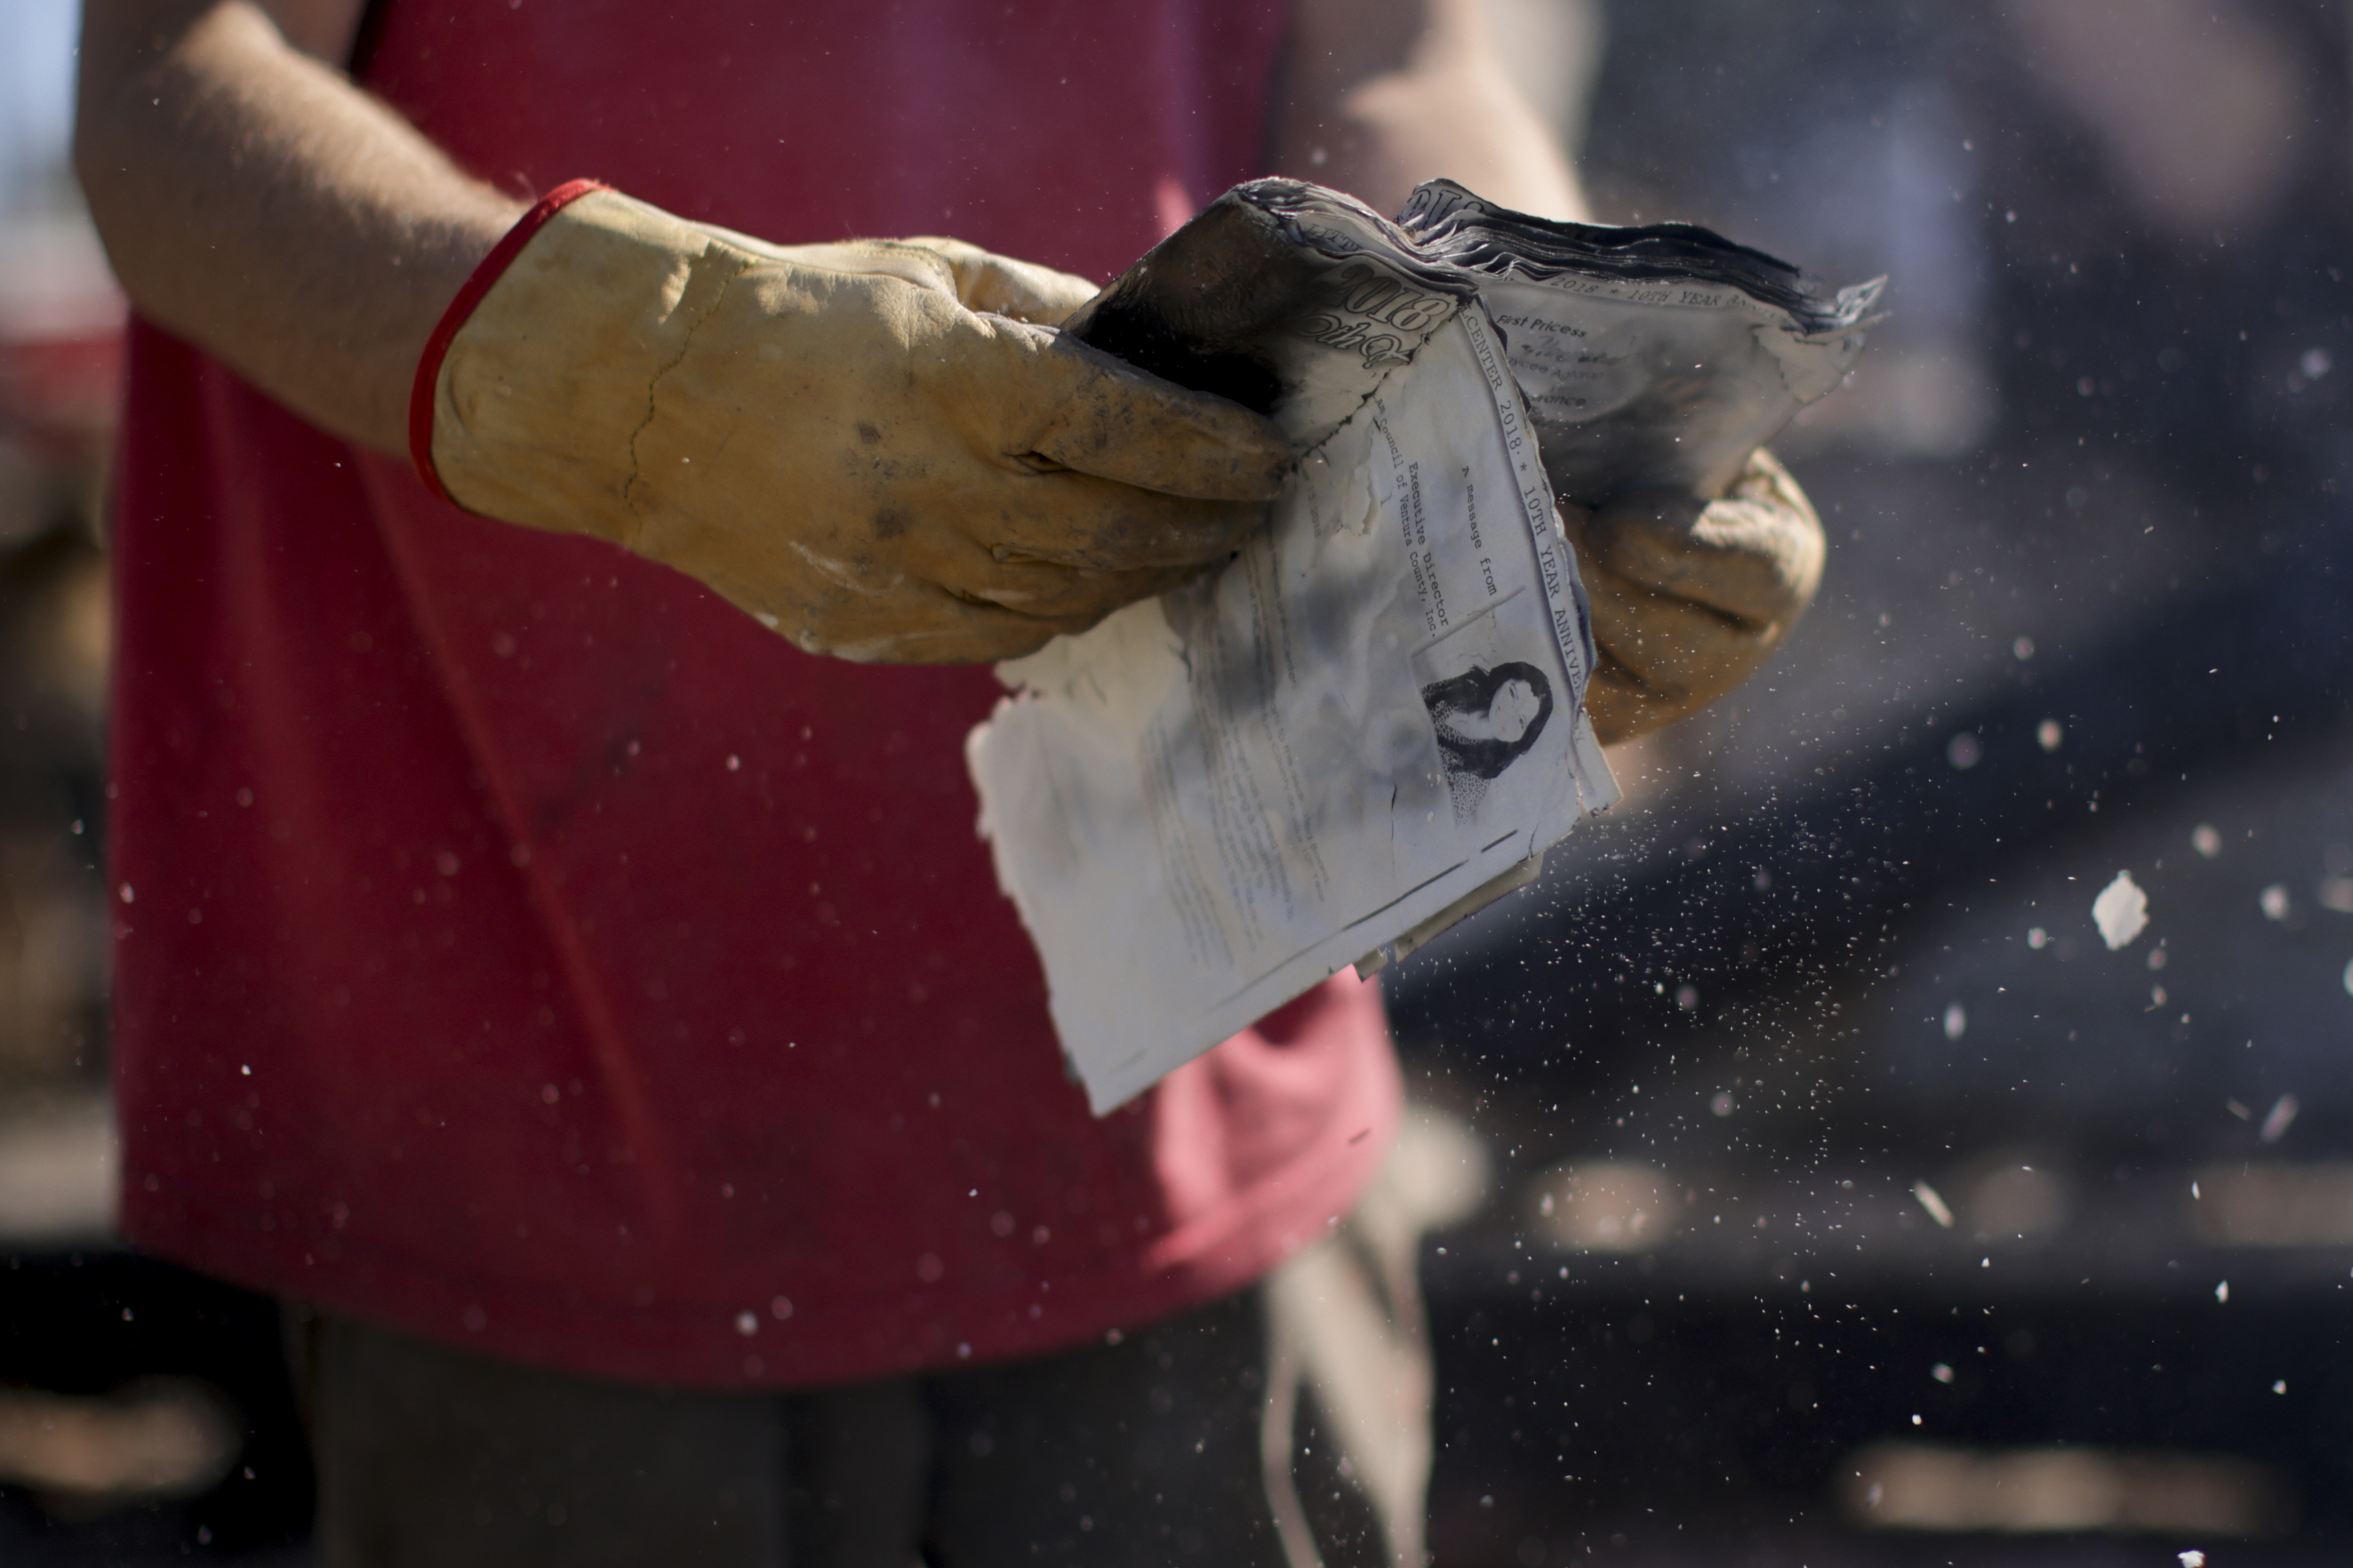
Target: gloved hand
[[841, 440], [1691, 597]]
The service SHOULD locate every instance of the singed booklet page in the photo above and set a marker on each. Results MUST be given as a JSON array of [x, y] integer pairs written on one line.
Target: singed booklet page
[[1370, 722]]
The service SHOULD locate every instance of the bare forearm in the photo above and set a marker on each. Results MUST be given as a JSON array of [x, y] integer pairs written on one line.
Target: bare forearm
[[1377, 96], [256, 202]]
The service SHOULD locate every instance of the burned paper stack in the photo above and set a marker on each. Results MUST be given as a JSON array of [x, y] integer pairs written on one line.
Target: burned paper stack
[[1370, 722]]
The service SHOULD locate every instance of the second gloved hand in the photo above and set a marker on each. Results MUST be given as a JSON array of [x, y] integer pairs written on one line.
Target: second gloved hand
[[859, 444], [1691, 597]]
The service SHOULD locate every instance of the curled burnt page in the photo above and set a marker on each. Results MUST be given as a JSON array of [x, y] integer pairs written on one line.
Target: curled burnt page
[[1653, 357], [1285, 297]]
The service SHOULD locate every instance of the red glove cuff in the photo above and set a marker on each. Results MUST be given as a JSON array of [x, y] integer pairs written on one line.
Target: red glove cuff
[[493, 267]]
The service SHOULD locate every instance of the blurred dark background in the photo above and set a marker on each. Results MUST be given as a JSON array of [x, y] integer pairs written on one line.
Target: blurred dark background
[[1850, 1199], [1903, 1219]]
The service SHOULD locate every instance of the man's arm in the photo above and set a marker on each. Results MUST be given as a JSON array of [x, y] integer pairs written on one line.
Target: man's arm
[[321, 268], [256, 202], [871, 450], [1376, 96]]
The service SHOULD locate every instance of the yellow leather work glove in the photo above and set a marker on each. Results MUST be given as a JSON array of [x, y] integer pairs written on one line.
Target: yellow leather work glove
[[862, 444], [1691, 597]]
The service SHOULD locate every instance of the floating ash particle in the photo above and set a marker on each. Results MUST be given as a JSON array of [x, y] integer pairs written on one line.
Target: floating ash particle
[[2121, 912]]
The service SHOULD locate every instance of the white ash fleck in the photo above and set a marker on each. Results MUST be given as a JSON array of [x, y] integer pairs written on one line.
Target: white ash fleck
[[2121, 912]]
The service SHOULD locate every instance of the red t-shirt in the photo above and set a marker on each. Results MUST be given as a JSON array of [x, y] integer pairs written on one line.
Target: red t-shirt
[[517, 945]]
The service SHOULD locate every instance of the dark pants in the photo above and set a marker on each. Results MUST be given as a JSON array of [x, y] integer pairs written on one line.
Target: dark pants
[[1276, 1427]]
